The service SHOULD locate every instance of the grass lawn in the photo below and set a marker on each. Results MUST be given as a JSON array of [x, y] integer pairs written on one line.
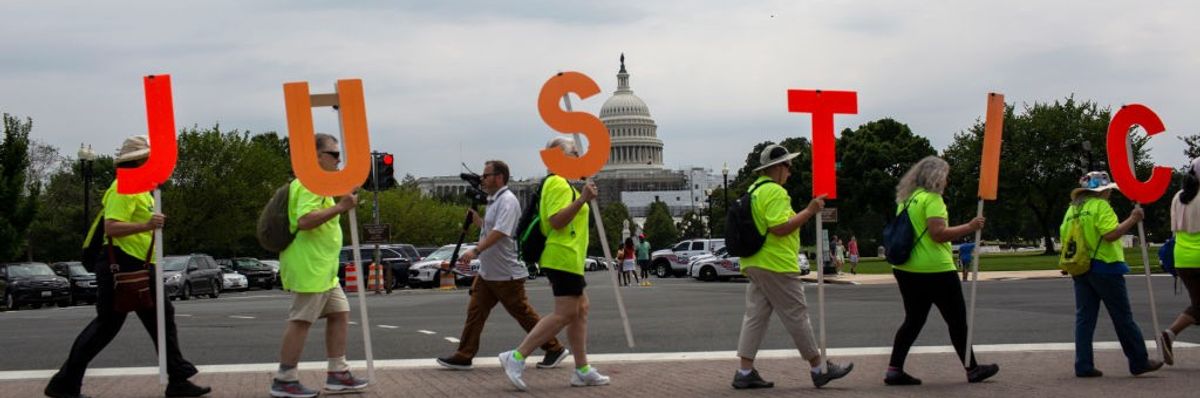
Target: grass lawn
[[1017, 262]]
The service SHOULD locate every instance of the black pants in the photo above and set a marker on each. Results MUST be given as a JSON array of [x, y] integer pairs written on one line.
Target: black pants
[[920, 292], [104, 328]]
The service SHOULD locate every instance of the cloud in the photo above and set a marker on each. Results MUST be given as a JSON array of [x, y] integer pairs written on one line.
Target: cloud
[[456, 81]]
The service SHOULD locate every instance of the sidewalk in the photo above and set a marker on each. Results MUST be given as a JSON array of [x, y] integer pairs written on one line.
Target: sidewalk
[[1023, 374], [846, 278]]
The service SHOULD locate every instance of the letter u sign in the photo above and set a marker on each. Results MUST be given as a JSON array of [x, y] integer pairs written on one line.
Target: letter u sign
[[352, 117]]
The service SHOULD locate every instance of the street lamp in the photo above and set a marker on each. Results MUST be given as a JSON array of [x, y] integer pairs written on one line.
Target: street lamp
[[86, 157], [708, 195], [725, 187]]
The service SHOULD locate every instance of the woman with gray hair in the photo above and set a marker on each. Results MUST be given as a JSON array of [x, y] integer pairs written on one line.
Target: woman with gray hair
[[929, 276]]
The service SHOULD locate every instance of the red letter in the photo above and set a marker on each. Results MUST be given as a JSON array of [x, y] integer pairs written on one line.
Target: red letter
[[160, 118], [1119, 160], [823, 105]]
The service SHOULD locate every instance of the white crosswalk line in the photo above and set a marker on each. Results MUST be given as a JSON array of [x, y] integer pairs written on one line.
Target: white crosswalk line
[[426, 332]]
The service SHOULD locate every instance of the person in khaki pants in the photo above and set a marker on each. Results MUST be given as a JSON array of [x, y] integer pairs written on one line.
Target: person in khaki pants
[[501, 276], [774, 274]]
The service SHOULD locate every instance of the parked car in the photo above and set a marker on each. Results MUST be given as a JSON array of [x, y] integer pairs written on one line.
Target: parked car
[[423, 252], [597, 263], [274, 264], [189, 275], [428, 272], [721, 266], [399, 257], [674, 261], [83, 281], [231, 281], [34, 284], [257, 274]]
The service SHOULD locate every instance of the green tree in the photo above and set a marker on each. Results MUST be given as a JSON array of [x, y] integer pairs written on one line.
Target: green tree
[[615, 216], [691, 226], [660, 227], [219, 186], [871, 159], [59, 227], [18, 196], [1047, 147]]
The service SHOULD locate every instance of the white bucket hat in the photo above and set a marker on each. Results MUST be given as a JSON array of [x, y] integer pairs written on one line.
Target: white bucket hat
[[774, 154]]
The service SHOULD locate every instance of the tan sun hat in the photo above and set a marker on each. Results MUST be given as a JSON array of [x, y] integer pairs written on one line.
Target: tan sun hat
[[772, 155], [136, 147]]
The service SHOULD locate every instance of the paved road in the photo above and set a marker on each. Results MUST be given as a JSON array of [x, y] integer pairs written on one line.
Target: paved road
[[675, 315]]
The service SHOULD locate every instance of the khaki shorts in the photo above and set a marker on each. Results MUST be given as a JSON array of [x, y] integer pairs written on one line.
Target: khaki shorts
[[308, 307]]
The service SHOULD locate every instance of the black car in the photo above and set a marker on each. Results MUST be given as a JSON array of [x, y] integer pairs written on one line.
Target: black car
[[34, 284], [191, 275], [256, 273], [83, 281], [397, 256]]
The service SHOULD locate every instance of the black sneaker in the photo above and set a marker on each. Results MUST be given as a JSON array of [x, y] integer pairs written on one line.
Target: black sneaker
[[54, 391], [186, 389], [750, 381], [552, 359], [832, 372], [1089, 374], [1151, 365], [455, 362], [982, 372], [900, 379]]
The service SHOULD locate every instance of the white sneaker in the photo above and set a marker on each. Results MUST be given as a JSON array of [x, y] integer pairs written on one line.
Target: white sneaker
[[513, 369], [591, 378]]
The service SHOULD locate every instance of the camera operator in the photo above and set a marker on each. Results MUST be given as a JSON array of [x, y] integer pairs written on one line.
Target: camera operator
[[501, 277]]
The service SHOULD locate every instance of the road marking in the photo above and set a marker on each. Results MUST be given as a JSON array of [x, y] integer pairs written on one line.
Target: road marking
[[489, 361], [452, 340], [389, 327], [354, 323], [241, 317], [183, 315], [426, 332]]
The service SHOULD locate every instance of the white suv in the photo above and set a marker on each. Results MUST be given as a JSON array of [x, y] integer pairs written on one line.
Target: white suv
[[674, 261]]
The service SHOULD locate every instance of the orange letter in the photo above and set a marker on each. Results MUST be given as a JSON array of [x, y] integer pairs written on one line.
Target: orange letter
[[1119, 154], [573, 122], [993, 130], [823, 105], [357, 153], [160, 119]]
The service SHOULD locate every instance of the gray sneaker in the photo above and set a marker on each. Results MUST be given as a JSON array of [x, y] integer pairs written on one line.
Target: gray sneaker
[[291, 389], [513, 369], [832, 372], [343, 381]]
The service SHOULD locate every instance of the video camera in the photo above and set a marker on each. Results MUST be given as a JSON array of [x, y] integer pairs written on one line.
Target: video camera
[[475, 191]]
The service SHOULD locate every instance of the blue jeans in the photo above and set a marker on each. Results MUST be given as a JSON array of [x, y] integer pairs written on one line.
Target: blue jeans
[[1091, 289]]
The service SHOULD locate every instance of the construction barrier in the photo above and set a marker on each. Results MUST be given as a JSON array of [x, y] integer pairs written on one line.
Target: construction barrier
[[351, 278], [447, 282]]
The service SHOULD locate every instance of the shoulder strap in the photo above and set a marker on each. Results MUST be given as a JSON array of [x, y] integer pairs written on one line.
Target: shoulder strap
[[758, 184]]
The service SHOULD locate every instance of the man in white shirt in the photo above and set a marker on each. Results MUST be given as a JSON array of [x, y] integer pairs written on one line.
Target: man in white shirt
[[501, 277]]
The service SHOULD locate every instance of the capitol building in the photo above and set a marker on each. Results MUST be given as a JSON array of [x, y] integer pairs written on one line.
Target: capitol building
[[634, 174]]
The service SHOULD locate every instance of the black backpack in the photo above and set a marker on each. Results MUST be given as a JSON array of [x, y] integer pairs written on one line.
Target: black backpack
[[898, 239], [274, 230], [531, 242], [741, 235]]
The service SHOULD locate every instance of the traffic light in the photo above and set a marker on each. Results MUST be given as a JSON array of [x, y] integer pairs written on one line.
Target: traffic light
[[382, 171]]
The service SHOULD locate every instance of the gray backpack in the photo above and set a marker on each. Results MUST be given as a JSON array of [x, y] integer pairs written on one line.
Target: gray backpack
[[274, 227]]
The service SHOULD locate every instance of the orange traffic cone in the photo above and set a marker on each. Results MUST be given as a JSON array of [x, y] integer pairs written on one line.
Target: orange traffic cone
[[447, 282], [375, 281]]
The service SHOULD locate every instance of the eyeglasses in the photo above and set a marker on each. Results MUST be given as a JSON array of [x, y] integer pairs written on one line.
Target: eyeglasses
[[335, 154]]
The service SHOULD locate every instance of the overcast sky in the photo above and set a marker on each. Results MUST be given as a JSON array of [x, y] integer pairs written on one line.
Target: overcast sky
[[458, 80]]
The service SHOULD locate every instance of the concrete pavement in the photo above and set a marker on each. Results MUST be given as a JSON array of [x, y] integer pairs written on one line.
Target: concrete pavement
[[1032, 373]]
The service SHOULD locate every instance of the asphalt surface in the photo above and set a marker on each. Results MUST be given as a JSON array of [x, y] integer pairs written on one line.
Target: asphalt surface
[[674, 315]]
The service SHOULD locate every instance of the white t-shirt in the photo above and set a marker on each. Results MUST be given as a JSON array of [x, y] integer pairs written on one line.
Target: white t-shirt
[[499, 262]]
